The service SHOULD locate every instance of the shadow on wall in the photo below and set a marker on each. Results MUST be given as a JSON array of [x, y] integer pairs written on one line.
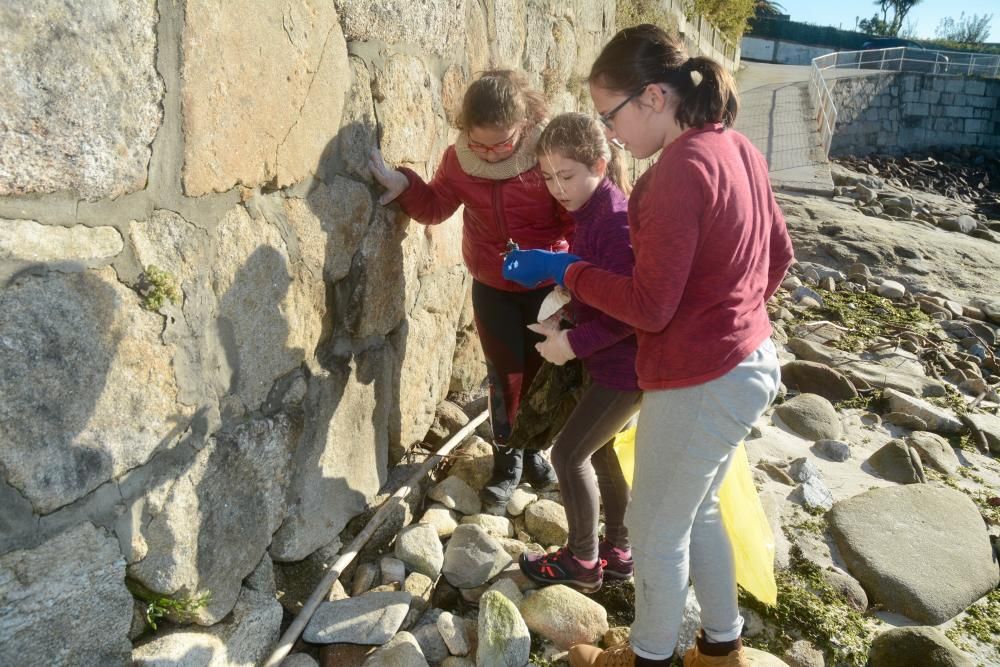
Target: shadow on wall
[[366, 277], [56, 349], [343, 455], [62, 426]]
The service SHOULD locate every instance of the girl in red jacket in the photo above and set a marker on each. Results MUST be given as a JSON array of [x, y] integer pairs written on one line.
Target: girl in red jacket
[[493, 171], [710, 249]]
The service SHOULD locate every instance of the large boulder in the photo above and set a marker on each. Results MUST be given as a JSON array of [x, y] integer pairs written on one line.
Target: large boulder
[[504, 639], [935, 451], [77, 347], [295, 59], [371, 619], [938, 420], [207, 525], [564, 617], [918, 550], [75, 583], [342, 461], [897, 462], [473, 557], [919, 645], [810, 416], [815, 378], [80, 117]]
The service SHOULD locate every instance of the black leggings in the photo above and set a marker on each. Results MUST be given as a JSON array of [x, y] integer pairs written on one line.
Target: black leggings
[[512, 361], [583, 448]]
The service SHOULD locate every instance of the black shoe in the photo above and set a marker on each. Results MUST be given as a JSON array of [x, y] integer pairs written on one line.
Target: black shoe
[[538, 471], [507, 465]]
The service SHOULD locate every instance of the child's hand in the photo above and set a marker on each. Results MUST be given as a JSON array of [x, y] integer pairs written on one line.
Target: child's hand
[[394, 182], [555, 348]]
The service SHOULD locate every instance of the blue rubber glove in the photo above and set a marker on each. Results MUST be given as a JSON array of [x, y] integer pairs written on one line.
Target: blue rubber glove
[[532, 267]]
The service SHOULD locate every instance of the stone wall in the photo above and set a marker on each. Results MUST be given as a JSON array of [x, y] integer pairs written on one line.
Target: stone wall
[[214, 342], [183, 445], [902, 112]]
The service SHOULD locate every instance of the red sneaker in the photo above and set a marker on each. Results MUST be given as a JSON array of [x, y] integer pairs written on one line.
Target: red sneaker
[[562, 568], [615, 566]]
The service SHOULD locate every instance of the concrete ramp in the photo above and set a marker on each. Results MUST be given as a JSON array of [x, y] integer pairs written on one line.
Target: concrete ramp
[[776, 114]]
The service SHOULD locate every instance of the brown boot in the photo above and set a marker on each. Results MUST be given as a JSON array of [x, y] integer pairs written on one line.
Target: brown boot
[[585, 655], [709, 654]]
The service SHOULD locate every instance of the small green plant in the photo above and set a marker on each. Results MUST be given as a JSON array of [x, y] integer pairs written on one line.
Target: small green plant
[[157, 287], [180, 610], [158, 606]]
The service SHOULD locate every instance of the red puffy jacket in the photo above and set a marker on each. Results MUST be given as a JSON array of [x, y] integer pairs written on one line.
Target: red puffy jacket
[[518, 208]]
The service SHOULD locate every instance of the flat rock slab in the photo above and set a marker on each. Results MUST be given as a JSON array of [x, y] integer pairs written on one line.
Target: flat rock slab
[[985, 428], [371, 619], [919, 550]]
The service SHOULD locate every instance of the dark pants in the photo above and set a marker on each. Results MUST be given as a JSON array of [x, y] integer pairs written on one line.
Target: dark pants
[[583, 448], [512, 361]]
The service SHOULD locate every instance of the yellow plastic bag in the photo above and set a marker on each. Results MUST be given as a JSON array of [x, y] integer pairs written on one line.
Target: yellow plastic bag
[[742, 515]]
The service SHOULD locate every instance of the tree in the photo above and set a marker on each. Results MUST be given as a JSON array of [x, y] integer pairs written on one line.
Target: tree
[[972, 29], [884, 25], [874, 26], [765, 9]]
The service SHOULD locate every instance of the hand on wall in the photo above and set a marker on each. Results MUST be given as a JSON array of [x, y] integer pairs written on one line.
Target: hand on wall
[[394, 181]]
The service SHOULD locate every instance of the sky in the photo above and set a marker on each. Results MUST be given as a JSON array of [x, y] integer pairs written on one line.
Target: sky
[[926, 15]]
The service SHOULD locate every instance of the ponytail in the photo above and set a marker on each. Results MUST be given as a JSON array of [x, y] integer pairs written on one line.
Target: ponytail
[[617, 172], [707, 94]]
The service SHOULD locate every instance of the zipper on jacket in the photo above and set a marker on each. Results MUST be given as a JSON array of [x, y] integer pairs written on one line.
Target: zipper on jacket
[[498, 214]]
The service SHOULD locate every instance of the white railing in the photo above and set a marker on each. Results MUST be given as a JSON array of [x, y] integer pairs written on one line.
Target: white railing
[[897, 59]]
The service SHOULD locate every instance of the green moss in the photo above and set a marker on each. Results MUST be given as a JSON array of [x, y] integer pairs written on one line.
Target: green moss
[[868, 316], [810, 608], [157, 287], [869, 400], [815, 526], [982, 622]]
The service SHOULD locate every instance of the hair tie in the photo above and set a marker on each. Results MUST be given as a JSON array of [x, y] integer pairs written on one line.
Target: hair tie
[[691, 66]]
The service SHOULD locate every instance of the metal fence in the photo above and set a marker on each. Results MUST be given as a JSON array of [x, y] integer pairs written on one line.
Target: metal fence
[[897, 59]]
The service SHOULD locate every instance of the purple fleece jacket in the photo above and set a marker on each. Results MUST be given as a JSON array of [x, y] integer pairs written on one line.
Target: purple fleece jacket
[[606, 346]]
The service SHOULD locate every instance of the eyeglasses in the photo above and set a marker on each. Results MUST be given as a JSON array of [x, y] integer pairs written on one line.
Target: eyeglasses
[[504, 146], [606, 118]]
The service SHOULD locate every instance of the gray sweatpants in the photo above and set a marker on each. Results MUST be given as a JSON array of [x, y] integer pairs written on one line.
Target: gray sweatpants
[[684, 444]]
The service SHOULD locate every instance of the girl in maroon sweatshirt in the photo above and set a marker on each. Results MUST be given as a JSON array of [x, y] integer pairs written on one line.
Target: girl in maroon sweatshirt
[[710, 249], [585, 175], [492, 170]]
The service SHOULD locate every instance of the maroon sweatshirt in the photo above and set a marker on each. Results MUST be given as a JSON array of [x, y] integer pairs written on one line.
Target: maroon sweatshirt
[[711, 248], [606, 346]]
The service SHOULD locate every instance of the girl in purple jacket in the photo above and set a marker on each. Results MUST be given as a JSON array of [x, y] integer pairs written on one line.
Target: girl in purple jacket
[[586, 177]]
